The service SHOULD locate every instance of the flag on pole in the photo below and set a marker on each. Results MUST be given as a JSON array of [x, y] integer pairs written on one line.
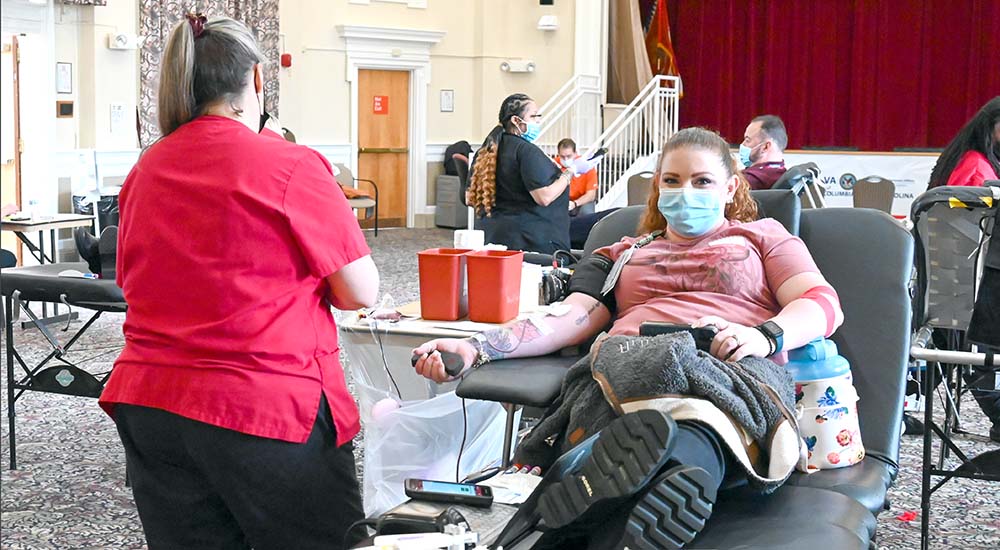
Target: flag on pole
[[659, 46]]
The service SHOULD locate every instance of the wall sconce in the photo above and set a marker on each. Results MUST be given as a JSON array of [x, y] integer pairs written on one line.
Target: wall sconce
[[517, 66]]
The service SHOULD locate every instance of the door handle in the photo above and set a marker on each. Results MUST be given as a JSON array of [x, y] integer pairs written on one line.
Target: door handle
[[383, 150]]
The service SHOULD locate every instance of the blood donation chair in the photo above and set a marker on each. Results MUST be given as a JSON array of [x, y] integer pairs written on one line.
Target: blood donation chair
[[867, 256]]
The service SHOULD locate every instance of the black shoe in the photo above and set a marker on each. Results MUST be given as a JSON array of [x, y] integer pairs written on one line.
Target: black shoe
[[911, 425], [89, 248], [627, 455], [995, 432], [672, 511]]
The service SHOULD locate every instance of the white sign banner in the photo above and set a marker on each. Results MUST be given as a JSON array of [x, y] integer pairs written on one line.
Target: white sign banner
[[839, 171]]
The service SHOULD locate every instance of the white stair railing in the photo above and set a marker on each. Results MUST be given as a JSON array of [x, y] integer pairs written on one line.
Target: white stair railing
[[635, 137], [574, 112]]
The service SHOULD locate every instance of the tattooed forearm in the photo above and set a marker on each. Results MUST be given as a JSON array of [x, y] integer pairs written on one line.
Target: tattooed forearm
[[504, 340], [590, 311]]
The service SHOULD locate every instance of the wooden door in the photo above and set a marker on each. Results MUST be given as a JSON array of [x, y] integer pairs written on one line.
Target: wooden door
[[383, 141], [10, 164]]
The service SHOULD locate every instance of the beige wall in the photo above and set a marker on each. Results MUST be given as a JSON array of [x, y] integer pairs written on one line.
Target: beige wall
[[101, 76], [479, 34]]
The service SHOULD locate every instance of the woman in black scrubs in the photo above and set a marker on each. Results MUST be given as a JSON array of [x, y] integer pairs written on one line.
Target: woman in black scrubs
[[520, 195]]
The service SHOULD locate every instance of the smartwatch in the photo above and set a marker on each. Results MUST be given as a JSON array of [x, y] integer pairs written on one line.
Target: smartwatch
[[773, 333]]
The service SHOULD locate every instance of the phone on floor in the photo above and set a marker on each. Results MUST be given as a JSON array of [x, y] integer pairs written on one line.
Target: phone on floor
[[703, 336], [446, 491], [598, 153]]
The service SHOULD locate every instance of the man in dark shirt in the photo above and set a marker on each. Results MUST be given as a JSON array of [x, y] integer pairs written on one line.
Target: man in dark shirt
[[762, 151]]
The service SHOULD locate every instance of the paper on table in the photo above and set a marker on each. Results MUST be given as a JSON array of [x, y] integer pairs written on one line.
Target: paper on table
[[512, 488]]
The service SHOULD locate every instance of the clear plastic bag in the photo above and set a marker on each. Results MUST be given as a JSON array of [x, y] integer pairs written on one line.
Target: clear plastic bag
[[419, 439]]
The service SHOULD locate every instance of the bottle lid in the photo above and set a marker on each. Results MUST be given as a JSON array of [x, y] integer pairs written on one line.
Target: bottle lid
[[816, 360]]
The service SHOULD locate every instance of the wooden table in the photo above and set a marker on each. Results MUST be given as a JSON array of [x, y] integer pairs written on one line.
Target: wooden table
[[51, 223]]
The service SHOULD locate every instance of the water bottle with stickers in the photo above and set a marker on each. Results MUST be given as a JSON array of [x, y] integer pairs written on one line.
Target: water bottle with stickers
[[827, 405]]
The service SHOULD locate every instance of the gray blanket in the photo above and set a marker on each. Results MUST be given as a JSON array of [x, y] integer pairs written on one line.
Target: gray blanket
[[755, 393]]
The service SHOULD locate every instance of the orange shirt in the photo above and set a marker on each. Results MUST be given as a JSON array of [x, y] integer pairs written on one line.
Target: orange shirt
[[580, 184]]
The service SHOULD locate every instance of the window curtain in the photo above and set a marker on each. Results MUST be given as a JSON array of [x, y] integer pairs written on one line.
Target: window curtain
[[862, 73], [628, 63], [158, 17]]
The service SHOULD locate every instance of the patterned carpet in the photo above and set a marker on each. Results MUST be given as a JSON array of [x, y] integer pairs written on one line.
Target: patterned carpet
[[69, 490]]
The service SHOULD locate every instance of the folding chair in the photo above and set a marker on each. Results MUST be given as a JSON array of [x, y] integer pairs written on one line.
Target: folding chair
[[950, 226], [43, 284], [361, 201]]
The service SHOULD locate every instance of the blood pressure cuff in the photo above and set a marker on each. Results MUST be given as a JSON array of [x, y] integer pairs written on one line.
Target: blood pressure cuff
[[588, 278]]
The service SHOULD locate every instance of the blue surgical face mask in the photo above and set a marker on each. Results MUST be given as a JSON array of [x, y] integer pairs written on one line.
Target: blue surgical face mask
[[745, 155], [691, 212], [532, 131]]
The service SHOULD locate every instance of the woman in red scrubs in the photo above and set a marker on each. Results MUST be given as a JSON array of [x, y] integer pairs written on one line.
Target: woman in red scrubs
[[229, 397]]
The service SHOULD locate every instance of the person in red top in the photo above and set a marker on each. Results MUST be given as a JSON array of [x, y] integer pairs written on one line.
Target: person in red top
[[973, 156], [229, 397], [583, 187]]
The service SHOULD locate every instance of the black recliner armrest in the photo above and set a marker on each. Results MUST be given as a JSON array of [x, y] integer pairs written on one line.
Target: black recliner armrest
[[533, 381]]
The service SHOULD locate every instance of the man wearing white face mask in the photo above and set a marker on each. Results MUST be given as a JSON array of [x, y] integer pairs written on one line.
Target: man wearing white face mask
[[762, 151]]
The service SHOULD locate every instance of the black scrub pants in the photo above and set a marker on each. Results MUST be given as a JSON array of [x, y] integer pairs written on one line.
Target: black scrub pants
[[198, 486]]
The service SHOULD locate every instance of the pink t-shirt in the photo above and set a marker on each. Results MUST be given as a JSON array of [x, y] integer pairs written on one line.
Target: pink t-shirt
[[733, 272]]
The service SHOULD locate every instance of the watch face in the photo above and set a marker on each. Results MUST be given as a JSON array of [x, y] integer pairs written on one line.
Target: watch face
[[772, 328]]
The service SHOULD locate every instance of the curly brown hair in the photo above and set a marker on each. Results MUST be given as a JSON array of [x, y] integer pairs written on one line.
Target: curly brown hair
[[742, 209], [482, 192]]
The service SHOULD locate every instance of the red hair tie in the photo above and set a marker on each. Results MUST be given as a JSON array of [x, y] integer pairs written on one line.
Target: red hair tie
[[197, 21]]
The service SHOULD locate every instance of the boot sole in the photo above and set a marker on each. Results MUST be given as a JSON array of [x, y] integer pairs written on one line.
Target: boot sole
[[628, 454], [672, 512]]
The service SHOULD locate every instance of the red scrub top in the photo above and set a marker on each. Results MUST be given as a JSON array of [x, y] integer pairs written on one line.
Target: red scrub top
[[225, 239]]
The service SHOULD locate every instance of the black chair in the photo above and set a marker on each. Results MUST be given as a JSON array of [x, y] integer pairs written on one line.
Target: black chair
[[867, 256], [948, 224], [540, 379], [461, 165]]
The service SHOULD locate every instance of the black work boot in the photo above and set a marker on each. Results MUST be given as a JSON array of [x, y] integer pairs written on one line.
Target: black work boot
[[627, 455]]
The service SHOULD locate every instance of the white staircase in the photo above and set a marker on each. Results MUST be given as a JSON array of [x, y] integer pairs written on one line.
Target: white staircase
[[634, 139], [574, 111]]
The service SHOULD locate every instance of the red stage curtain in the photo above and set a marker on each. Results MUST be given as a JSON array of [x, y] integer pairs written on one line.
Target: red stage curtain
[[864, 73]]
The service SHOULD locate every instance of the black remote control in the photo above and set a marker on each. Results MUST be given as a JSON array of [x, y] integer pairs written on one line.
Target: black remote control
[[453, 362]]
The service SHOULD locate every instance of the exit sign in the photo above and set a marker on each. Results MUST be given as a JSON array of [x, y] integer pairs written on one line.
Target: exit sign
[[380, 104]]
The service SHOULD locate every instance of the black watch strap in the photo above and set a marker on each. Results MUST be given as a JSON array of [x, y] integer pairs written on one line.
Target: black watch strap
[[774, 335]]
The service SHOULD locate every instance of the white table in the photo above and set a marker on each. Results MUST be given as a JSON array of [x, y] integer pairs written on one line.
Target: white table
[[51, 223], [361, 344]]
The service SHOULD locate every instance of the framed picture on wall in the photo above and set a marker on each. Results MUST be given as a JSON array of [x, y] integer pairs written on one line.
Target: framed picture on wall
[[64, 78], [447, 101]]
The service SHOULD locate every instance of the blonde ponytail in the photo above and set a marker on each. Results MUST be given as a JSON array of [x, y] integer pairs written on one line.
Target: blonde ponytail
[[204, 67], [175, 101]]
